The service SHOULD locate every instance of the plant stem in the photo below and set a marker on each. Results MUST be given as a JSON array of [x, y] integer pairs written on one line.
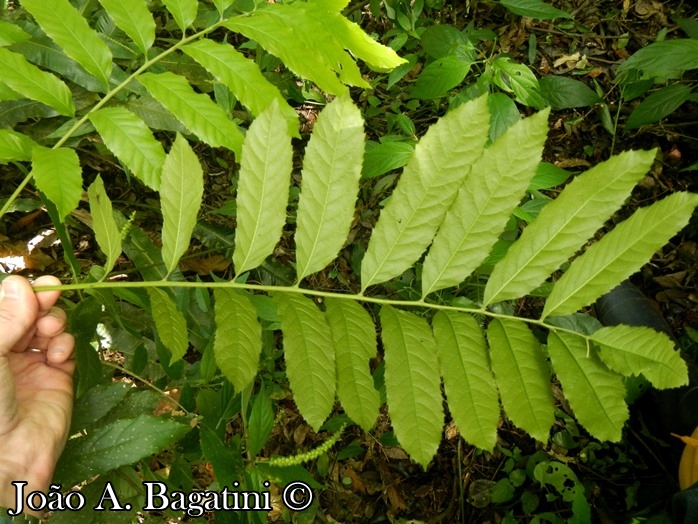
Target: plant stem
[[303, 291], [145, 382], [14, 195]]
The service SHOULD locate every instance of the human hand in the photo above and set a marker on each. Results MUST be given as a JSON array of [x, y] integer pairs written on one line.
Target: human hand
[[36, 385]]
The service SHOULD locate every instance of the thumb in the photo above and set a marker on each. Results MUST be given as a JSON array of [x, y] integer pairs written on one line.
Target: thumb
[[18, 310]]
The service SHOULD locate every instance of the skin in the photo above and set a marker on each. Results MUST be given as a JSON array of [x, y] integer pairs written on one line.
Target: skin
[[36, 385]]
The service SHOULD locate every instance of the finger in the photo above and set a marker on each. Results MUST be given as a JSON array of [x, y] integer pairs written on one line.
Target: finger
[[60, 349], [52, 323], [47, 298], [18, 310], [47, 327]]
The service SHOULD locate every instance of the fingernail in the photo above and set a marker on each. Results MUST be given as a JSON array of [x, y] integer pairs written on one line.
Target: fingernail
[[10, 288]]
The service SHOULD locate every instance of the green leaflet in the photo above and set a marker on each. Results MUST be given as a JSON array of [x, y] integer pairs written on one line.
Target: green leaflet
[[658, 105], [44, 53], [439, 77], [260, 422], [351, 36], [426, 189], [663, 60], [264, 180], [129, 138], [71, 31], [117, 443], [106, 231], [15, 146], [596, 394], [310, 364], [98, 400], [181, 190], [183, 11], [12, 34], [535, 9], [306, 36], [57, 173], [354, 339], [329, 187], [154, 115], [196, 111], [495, 186], [243, 77], [222, 5], [134, 19], [82, 324], [565, 224], [238, 341], [169, 323], [470, 388], [7, 94], [31, 82], [522, 375], [518, 79], [619, 253], [412, 383], [633, 350]]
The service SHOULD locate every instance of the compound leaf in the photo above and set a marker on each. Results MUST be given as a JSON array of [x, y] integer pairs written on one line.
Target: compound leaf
[[412, 383], [181, 189], [264, 179], [522, 375], [311, 38], [619, 253], [196, 111], [134, 19], [106, 231], [31, 82], [596, 394], [57, 173], [495, 186], [15, 146], [130, 139], [183, 11], [565, 224], [169, 323], [426, 189], [243, 77], [470, 388], [354, 338], [310, 362], [635, 350], [330, 184], [238, 341], [71, 31]]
